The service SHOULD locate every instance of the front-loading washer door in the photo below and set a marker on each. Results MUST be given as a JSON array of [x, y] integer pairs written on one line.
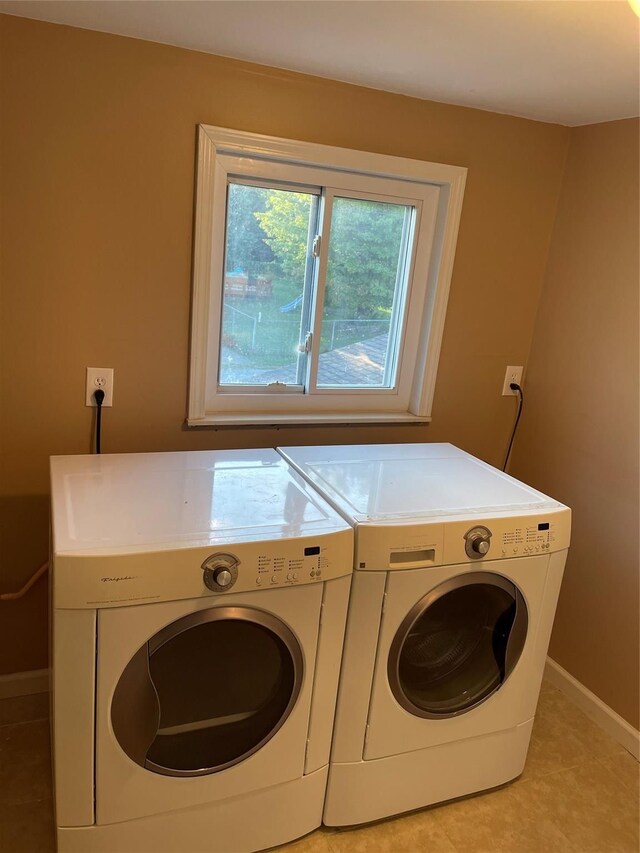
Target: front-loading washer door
[[207, 691], [457, 645], [459, 654], [204, 699]]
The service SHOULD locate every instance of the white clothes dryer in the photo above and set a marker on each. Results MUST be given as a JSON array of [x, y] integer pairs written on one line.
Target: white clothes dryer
[[458, 570], [199, 604]]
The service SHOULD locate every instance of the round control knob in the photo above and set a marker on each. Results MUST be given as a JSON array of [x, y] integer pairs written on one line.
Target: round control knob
[[220, 572], [222, 577], [477, 542]]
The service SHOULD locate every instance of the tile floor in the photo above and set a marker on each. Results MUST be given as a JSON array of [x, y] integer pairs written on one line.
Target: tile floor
[[579, 792]]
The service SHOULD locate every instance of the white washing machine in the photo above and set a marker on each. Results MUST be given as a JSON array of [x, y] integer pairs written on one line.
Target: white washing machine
[[199, 604], [458, 570]]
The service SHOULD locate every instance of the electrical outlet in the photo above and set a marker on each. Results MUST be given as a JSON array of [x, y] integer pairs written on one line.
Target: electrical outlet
[[512, 374], [99, 377]]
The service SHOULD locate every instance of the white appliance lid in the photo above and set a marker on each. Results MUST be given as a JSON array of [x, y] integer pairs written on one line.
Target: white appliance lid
[[153, 501], [387, 482]]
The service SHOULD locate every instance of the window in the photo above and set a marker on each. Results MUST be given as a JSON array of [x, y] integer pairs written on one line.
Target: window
[[321, 278]]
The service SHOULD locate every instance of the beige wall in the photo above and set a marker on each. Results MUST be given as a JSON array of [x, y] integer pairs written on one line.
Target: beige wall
[[98, 148], [579, 435]]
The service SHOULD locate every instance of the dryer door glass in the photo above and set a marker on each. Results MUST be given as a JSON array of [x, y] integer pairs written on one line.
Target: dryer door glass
[[207, 691], [458, 645]]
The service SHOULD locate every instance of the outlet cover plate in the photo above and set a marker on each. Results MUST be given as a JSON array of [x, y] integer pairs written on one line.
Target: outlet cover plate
[[99, 377], [512, 374]]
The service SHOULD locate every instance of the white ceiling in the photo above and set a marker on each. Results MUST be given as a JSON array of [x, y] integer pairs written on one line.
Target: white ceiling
[[567, 61]]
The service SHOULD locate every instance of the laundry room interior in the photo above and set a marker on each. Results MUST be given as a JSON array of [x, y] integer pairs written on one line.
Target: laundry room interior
[[505, 136]]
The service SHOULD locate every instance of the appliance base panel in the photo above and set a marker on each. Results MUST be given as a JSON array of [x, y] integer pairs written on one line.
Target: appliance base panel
[[238, 825], [370, 790]]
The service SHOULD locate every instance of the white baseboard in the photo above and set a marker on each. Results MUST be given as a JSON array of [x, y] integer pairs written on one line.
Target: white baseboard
[[24, 683], [613, 724]]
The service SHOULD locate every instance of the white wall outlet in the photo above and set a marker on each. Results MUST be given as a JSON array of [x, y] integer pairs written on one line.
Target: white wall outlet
[[512, 374], [99, 377]]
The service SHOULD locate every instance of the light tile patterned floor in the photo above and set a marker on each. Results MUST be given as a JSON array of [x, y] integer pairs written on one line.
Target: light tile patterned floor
[[579, 793]]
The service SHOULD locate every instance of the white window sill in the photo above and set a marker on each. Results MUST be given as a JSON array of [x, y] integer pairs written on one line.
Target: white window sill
[[312, 418]]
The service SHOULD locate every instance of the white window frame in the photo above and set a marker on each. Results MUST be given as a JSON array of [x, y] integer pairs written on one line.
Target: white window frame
[[435, 190]]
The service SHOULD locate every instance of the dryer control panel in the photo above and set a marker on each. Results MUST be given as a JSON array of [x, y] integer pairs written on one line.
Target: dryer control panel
[[113, 580], [307, 564]]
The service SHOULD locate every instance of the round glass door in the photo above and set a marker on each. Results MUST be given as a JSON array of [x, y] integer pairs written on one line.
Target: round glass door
[[458, 645], [207, 691]]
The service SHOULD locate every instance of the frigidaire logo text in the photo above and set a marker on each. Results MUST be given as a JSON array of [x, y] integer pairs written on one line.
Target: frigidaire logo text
[[115, 580]]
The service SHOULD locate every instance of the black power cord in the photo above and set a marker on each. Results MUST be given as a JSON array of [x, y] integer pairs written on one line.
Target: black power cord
[[514, 387], [99, 397]]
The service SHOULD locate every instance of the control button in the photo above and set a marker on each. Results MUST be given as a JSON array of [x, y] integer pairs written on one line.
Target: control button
[[274, 579], [537, 547], [515, 550], [258, 581], [295, 576], [312, 574]]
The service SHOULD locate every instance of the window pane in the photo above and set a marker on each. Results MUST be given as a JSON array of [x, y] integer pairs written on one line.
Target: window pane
[[266, 261], [366, 283]]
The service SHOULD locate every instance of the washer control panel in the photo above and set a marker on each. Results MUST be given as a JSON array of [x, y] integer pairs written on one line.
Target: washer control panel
[[504, 538], [522, 541], [529, 537]]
